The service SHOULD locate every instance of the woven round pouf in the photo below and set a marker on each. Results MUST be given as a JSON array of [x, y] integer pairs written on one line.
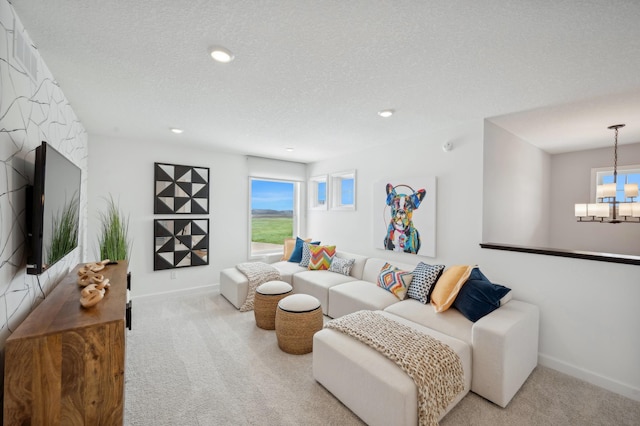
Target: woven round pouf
[[265, 302], [298, 317]]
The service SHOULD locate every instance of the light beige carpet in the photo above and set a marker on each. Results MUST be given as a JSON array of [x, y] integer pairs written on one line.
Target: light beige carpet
[[193, 359]]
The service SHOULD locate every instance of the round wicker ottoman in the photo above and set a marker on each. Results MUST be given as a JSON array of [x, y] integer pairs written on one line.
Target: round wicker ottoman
[[266, 300], [298, 317]]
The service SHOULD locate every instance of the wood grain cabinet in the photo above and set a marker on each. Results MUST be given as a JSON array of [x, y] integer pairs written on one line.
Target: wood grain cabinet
[[64, 365]]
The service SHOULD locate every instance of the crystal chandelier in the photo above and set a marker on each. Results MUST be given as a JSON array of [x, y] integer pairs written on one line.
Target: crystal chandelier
[[607, 209]]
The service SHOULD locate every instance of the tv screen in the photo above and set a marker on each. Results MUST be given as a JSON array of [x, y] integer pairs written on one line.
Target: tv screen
[[54, 209]]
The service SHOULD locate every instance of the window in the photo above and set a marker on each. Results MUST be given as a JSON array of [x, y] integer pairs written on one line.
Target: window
[[343, 191], [318, 193], [626, 174], [274, 214]]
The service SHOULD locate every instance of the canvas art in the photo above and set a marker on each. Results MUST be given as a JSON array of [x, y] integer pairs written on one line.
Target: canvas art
[[405, 215]]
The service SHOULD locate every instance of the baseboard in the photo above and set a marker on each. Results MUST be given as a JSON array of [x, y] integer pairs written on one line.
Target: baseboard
[[612, 385], [209, 288]]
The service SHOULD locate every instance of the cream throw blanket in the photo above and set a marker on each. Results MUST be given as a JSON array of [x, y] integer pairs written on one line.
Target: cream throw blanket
[[257, 273], [434, 367]]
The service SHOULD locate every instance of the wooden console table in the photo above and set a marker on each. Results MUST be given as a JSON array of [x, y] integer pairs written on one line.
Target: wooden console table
[[64, 365]]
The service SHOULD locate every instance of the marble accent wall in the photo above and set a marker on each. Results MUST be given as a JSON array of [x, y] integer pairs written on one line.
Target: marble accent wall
[[31, 111]]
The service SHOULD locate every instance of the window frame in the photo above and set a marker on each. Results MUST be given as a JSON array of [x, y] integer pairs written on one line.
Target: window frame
[[314, 193], [295, 216], [598, 173], [335, 191]]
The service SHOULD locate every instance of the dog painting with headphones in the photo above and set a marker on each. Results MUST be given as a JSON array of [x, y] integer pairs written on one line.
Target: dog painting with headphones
[[402, 235]]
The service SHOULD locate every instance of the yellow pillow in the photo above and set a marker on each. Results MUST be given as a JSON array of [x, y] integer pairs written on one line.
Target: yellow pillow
[[289, 245], [448, 286]]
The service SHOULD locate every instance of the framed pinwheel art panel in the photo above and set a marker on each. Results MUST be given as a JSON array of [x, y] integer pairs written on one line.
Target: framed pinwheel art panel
[[181, 189], [179, 243]]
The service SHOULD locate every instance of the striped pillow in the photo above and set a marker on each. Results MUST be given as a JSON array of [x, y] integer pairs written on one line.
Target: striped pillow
[[394, 280], [321, 257]]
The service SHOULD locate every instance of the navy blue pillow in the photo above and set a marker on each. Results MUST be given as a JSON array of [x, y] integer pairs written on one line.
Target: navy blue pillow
[[296, 254], [479, 296]]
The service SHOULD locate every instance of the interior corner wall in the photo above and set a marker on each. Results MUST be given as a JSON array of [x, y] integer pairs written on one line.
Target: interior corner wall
[[30, 112], [588, 312], [571, 177], [124, 169], [516, 196]]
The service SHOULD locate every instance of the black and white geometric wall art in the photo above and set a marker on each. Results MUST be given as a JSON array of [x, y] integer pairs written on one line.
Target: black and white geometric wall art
[[181, 189], [179, 243]]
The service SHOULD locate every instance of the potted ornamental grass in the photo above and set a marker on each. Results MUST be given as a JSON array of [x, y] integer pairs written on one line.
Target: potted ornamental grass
[[113, 240]]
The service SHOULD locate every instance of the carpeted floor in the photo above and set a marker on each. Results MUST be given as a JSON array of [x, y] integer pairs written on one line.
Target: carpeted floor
[[193, 359]]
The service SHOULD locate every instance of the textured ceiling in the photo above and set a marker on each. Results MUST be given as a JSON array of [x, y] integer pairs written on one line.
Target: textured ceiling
[[312, 75]]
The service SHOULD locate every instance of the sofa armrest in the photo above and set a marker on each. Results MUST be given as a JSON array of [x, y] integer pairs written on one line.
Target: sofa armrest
[[505, 350]]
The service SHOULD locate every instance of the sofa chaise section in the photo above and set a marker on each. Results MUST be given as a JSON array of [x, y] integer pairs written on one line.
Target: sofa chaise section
[[504, 343], [372, 386], [234, 285]]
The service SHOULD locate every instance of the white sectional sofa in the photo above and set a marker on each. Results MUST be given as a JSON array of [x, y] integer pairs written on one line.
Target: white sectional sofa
[[498, 351]]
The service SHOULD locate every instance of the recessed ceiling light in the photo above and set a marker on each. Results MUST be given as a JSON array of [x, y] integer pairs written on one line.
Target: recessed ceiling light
[[386, 113], [176, 131], [289, 149], [221, 54]]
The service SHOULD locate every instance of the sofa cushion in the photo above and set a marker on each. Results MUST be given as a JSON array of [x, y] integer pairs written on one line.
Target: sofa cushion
[[341, 266], [448, 286], [321, 257], [450, 322], [424, 277], [479, 296], [357, 295], [317, 284], [358, 265], [394, 280], [287, 269]]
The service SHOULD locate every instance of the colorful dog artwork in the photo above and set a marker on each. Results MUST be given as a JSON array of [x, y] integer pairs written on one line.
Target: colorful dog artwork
[[402, 235]]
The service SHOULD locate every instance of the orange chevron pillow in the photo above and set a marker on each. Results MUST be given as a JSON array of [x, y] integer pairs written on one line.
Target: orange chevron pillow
[[321, 257]]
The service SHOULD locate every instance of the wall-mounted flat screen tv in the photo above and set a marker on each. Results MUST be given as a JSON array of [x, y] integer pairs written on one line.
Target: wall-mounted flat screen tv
[[53, 209]]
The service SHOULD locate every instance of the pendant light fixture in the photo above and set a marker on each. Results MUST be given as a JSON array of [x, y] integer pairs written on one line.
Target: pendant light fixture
[[608, 208]]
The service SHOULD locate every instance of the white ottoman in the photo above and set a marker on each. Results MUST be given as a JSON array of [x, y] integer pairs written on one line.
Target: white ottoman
[[266, 301], [370, 384], [298, 318]]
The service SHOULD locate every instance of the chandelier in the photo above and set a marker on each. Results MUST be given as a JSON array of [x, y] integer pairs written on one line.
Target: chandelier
[[607, 208]]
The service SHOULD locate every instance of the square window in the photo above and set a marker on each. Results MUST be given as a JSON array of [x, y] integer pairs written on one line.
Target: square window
[[343, 190]]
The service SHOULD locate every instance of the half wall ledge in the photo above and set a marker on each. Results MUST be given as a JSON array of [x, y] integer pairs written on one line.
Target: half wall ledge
[[576, 254]]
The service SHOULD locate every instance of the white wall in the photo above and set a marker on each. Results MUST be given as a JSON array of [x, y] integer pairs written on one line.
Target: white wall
[[516, 190], [571, 177], [589, 316], [125, 169]]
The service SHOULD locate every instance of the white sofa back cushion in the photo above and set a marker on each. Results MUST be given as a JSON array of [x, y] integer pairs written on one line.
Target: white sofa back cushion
[[358, 266]]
